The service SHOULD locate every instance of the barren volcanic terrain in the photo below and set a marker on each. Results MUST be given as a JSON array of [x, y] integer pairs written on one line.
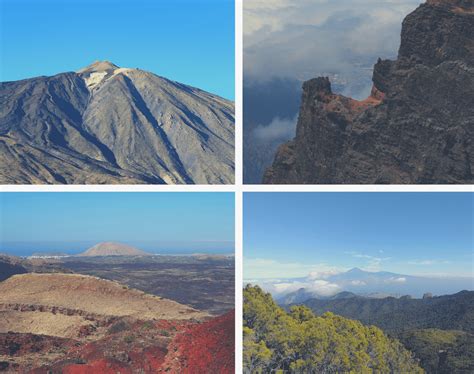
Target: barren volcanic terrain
[[71, 323], [203, 282]]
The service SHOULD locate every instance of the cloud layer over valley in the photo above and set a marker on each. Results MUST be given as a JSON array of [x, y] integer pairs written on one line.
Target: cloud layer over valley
[[300, 40]]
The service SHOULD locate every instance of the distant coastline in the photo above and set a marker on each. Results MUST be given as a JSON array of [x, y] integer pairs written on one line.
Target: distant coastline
[[48, 249]]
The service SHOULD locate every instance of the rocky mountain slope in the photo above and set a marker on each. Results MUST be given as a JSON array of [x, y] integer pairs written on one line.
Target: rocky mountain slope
[[204, 348], [155, 347], [113, 249], [415, 127], [81, 324], [105, 124]]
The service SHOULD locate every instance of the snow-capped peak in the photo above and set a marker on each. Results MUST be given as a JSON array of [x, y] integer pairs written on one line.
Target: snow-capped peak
[[97, 72], [98, 66]]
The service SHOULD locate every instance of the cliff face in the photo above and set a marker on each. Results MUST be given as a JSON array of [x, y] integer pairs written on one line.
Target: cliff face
[[415, 127]]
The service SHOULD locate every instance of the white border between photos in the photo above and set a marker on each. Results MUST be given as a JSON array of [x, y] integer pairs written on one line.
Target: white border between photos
[[239, 266], [238, 188]]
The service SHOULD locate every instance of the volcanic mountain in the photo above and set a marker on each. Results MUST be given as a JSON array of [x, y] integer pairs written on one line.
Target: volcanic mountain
[[113, 249], [415, 127], [105, 125]]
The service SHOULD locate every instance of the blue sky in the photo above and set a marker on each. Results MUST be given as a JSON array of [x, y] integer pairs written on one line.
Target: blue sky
[[135, 218], [185, 40], [293, 234]]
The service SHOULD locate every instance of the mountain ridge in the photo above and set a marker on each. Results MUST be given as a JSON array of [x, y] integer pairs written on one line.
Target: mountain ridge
[[369, 284], [396, 314]]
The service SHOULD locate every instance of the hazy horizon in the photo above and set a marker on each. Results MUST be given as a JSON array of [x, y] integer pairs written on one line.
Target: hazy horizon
[[309, 240], [74, 221], [345, 270], [371, 283], [24, 249]]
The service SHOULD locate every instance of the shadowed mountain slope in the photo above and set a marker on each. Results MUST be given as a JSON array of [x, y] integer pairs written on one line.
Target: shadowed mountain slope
[[10, 266]]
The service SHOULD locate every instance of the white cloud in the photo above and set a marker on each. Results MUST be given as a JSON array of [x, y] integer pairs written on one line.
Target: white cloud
[[276, 277], [358, 283], [428, 262], [323, 288], [322, 274], [301, 39], [396, 280], [260, 268], [318, 287], [279, 128]]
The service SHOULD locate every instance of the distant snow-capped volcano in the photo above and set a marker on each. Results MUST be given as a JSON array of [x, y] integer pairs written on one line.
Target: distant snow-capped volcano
[[362, 283]]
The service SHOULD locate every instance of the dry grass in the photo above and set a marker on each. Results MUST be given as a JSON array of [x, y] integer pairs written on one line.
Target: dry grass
[[90, 295], [41, 323]]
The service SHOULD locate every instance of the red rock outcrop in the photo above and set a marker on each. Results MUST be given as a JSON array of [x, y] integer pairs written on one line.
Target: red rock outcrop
[[205, 348], [150, 347]]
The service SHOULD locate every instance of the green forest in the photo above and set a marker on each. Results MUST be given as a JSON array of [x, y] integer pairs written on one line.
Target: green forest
[[298, 341], [395, 315], [441, 351], [438, 330]]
